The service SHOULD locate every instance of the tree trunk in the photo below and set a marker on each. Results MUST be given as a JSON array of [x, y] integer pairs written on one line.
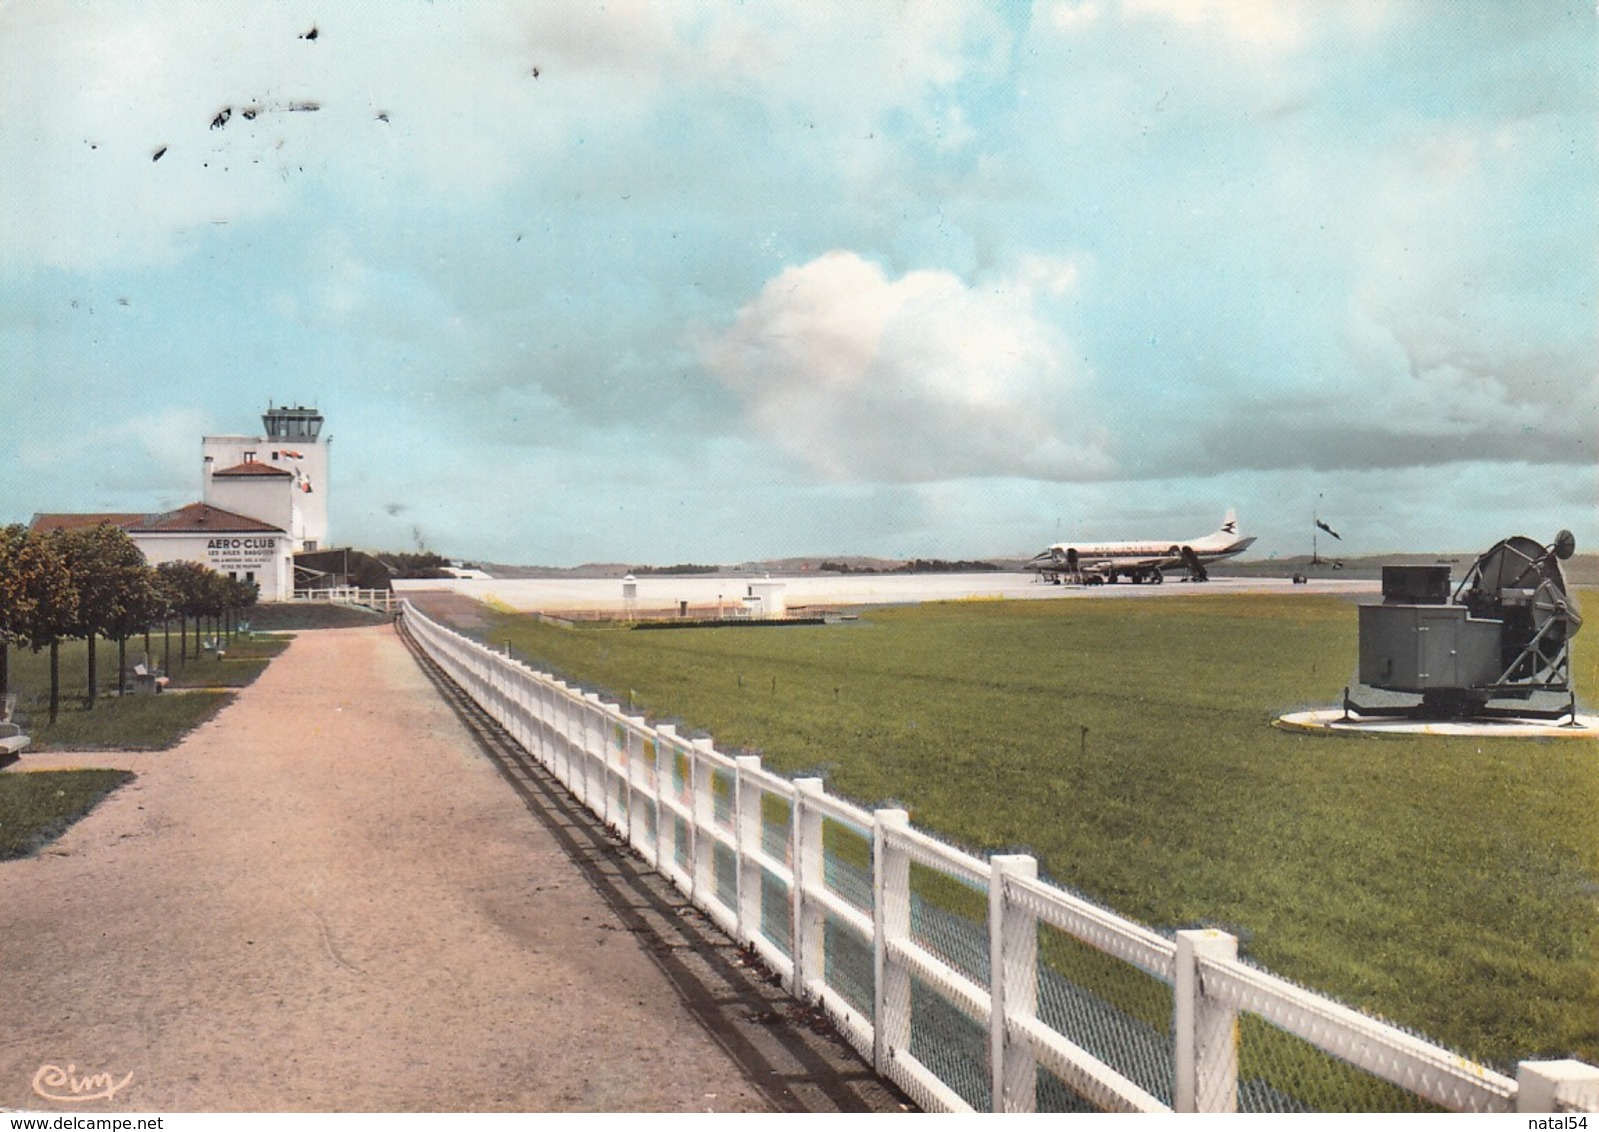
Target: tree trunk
[[94, 673], [122, 665], [166, 645], [55, 680], [5, 668], [183, 638]]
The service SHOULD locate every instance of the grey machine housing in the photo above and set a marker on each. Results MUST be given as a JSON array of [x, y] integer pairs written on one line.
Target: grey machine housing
[[1504, 634]]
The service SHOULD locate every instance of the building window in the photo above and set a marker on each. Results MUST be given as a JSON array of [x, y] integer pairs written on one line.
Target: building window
[[310, 544], [249, 457]]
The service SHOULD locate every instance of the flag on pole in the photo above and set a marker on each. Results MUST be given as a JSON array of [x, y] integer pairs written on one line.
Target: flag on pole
[[1329, 530]]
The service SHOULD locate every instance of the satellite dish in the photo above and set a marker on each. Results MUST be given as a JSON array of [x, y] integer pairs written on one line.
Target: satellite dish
[[1565, 545]]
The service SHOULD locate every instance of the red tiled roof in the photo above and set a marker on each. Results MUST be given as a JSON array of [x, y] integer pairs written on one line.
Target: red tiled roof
[[254, 468], [68, 522], [200, 517], [196, 518]]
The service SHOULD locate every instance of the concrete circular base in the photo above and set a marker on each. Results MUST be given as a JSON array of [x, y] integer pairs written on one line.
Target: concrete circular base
[[1327, 720]]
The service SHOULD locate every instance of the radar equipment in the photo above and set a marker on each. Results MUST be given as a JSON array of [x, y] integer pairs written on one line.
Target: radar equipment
[[1504, 634]]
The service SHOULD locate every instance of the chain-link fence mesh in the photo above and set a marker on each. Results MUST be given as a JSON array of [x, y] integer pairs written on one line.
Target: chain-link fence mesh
[[681, 780], [1278, 1072], [847, 863], [1117, 1012], [949, 918], [722, 785], [648, 776], [724, 867], [777, 912], [951, 1043], [848, 966], [681, 844], [777, 909], [647, 812], [622, 802], [777, 826], [1054, 1095]]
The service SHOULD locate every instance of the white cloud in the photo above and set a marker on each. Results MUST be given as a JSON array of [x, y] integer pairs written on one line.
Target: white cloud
[[1260, 24], [144, 462], [912, 379], [1071, 14]]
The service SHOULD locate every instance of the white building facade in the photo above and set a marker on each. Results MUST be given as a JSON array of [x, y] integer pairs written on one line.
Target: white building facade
[[280, 477], [237, 546]]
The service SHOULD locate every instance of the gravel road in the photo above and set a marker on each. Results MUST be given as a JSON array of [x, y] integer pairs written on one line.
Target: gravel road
[[328, 898]]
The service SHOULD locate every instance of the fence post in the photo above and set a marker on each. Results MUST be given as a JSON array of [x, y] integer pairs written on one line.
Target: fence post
[[891, 924], [748, 826], [561, 707], [593, 752], [636, 751], [809, 869], [569, 745], [1206, 1038], [609, 773], [593, 755], [1552, 1086], [550, 723], [665, 784], [1013, 986], [702, 805]]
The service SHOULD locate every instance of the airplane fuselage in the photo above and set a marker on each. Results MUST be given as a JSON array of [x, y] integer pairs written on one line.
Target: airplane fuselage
[[1092, 563]]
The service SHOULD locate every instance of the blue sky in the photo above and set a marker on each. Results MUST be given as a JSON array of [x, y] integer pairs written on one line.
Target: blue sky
[[729, 281]]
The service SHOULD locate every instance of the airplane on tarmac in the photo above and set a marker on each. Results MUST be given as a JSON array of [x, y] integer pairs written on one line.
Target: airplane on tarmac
[[1093, 564]]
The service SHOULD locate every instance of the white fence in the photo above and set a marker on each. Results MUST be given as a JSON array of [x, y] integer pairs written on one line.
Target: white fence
[[970, 983], [349, 595]]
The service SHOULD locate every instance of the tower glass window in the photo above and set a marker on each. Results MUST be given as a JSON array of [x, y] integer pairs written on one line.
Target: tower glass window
[[297, 423]]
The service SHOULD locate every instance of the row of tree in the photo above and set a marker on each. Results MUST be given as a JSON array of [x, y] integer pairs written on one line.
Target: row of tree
[[93, 582]]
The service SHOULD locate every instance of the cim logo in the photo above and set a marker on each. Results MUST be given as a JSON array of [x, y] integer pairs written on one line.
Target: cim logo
[[54, 1083]]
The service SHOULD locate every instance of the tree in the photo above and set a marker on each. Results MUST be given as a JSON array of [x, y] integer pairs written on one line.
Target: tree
[[107, 569], [53, 602], [141, 604], [241, 594], [16, 604], [183, 587]]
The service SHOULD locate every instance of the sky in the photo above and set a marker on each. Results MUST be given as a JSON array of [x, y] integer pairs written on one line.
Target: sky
[[716, 282]]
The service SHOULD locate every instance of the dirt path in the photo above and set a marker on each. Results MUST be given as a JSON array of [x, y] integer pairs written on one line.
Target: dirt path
[[328, 898]]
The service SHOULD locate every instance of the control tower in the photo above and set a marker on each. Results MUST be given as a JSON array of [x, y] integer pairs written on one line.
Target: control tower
[[280, 477]]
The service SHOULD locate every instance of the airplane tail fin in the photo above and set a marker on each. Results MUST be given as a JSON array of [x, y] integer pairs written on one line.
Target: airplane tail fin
[[1229, 525]]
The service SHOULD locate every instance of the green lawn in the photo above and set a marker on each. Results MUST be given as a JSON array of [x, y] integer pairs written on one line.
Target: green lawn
[[36, 808], [1449, 884], [198, 690]]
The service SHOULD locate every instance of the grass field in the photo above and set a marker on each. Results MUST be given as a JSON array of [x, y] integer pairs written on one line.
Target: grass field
[[130, 722], [1449, 885], [36, 808]]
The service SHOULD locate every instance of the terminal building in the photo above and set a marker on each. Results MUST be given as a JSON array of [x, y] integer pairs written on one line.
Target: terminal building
[[265, 499], [280, 478]]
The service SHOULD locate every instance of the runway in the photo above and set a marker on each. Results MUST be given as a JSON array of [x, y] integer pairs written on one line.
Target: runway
[[726, 592]]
